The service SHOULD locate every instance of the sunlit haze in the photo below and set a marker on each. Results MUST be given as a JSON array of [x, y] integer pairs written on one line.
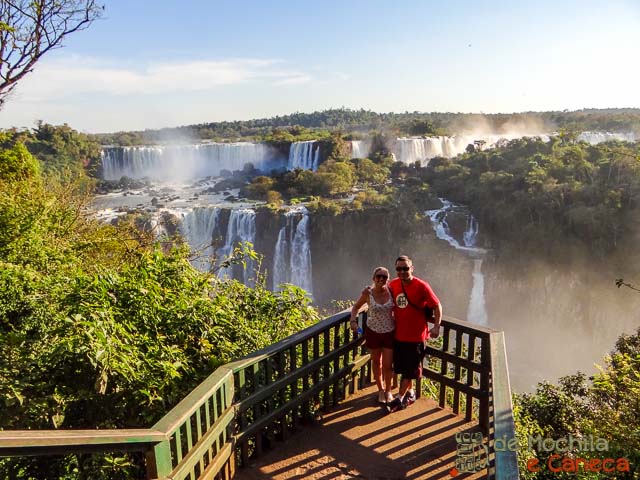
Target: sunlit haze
[[166, 63]]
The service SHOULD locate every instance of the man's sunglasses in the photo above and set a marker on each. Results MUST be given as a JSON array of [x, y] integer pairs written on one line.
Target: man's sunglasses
[[403, 269]]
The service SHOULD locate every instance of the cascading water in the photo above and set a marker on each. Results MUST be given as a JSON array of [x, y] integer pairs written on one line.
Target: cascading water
[[198, 227], [360, 148], [292, 257], [471, 232], [185, 161], [241, 228], [304, 155], [477, 312], [411, 150]]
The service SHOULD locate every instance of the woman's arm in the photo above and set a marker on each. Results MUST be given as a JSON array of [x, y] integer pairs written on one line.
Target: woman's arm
[[364, 298]]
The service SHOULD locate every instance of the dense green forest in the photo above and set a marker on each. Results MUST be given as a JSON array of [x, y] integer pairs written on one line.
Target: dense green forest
[[358, 122], [542, 193]]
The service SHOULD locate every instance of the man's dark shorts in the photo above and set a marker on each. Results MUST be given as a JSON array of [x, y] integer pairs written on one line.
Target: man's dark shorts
[[407, 359], [374, 340]]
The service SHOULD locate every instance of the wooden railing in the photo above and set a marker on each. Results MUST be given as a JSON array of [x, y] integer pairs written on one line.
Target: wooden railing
[[245, 406], [469, 371]]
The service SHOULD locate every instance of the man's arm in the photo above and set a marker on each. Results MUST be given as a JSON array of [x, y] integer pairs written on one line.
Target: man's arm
[[437, 319]]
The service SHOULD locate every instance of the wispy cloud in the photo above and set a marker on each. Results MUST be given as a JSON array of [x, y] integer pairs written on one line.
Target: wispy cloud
[[76, 75]]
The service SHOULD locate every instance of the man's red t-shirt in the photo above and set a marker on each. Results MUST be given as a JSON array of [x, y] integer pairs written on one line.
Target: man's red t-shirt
[[411, 325]]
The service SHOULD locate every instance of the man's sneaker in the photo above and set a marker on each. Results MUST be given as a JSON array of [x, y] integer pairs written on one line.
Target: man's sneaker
[[382, 398], [409, 398], [395, 405]]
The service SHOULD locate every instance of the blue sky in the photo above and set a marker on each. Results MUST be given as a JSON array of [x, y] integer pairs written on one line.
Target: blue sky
[[158, 63]]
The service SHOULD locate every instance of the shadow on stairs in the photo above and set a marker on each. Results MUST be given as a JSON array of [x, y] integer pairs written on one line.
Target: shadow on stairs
[[357, 439]]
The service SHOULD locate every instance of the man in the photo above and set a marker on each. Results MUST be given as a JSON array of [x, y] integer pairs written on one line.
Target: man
[[411, 295]]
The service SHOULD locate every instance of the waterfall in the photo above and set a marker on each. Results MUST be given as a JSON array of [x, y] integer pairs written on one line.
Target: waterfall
[[282, 255], [477, 312], [471, 232], [438, 219], [360, 148], [411, 150], [301, 256], [241, 228], [303, 155], [292, 257], [198, 227], [184, 161]]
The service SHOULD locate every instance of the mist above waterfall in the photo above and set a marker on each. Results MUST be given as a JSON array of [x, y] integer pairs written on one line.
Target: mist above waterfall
[[513, 127], [559, 317]]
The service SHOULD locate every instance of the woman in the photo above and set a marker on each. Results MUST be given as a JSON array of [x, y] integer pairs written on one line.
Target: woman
[[379, 333]]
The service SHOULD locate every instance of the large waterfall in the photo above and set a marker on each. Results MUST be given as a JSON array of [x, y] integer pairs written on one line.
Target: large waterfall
[[304, 155], [198, 227], [185, 161], [477, 312], [292, 253], [411, 150], [292, 256]]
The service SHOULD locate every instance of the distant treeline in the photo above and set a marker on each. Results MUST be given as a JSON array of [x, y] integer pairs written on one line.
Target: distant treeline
[[358, 122]]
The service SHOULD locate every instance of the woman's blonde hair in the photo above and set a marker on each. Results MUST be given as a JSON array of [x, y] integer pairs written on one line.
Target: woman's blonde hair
[[380, 269]]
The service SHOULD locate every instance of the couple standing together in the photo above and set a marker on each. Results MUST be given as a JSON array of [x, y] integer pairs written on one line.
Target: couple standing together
[[397, 329]]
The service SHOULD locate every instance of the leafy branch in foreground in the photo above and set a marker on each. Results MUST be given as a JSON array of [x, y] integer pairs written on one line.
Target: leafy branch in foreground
[[30, 28]]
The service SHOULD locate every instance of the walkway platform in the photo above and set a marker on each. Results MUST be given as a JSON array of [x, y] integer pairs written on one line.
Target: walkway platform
[[357, 439]]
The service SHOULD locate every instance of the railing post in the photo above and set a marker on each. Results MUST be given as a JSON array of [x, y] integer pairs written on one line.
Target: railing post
[[159, 461], [506, 460], [484, 384]]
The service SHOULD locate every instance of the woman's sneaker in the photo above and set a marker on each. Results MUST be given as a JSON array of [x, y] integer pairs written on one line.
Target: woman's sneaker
[[388, 397], [382, 398]]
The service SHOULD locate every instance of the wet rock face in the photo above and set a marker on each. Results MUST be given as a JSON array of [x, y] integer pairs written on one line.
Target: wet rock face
[[346, 248]]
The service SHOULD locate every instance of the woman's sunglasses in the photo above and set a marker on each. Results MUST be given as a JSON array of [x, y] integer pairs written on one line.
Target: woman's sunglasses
[[381, 277]]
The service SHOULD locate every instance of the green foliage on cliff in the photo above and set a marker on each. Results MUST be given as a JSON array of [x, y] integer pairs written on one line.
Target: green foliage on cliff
[[99, 327], [605, 406], [530, 191], [59, 149]]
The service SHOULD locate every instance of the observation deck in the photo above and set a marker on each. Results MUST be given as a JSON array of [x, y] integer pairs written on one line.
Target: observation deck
[[305, 408]]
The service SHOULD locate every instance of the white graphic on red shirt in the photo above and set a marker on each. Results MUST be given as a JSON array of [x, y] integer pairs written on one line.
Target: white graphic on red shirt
[[401, 301]]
